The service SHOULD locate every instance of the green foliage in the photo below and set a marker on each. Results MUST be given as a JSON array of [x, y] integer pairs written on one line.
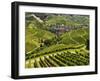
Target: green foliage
[[34, 36], [56, 20], [72, 57], [44, 48], [79, 36]]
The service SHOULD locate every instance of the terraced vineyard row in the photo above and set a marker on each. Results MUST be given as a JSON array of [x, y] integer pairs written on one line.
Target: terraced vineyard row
[[66, 58], [52, 49]]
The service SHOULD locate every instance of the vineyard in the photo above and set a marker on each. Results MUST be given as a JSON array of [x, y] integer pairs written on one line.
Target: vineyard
[[48, 43], [66, 57]]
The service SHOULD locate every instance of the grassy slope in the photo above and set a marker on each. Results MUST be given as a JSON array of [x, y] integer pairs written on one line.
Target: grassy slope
[[52, 55], [33, 36], [72, 47], [75, 37]]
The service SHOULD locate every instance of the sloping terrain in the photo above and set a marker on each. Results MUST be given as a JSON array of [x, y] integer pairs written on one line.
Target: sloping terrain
[[45, 48]]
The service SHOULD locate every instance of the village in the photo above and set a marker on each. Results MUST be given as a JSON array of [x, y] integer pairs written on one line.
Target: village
[[60, 29]]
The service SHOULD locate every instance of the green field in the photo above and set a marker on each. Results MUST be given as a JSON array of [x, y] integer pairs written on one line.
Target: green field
[[56, 40]]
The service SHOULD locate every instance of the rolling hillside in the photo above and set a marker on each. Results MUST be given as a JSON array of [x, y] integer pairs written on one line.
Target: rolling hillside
[[34, 36], [58, 40]]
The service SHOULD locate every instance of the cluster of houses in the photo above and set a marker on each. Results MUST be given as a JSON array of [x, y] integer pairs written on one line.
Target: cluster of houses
[[59, 29]]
